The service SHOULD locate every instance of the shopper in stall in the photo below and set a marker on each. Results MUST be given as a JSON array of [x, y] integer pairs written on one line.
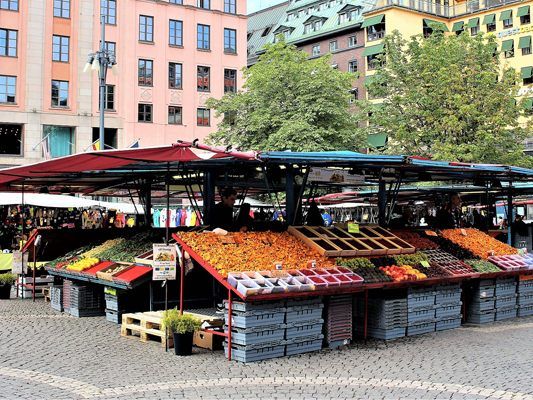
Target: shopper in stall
[[449, 216], [222, 214]]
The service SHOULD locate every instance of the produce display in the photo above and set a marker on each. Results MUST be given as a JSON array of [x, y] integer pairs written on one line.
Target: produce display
[[364, 268], [417, 240], [82, 264], [478, 243], [403, 273], [411, 259], [126, 250], [509, 263], [482, 266], [104, 247], [253, 251]]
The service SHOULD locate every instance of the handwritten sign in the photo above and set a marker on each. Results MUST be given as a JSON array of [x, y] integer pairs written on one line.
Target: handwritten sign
[[425, 264], [353, 227]]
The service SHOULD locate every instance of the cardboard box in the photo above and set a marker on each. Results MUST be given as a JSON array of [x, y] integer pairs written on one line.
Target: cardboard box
[[206, 340]]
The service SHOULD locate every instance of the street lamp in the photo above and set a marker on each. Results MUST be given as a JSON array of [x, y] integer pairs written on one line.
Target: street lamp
[[100, 61]]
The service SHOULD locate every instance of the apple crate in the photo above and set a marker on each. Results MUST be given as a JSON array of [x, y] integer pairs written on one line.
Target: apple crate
[[304, 313], [420, 300], [382, 334], [525, 299], [255, 319], [270, 306], [304, 329], [505, 287], [415, 316], [525, 287], [421, 328], [479, 305], [448, 311], [482, 317]]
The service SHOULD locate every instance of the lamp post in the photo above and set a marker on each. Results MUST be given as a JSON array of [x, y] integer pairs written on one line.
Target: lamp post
[[100, 61]]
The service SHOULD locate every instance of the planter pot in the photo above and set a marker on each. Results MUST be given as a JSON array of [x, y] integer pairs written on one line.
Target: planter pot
[[183, 343], [5, 291]]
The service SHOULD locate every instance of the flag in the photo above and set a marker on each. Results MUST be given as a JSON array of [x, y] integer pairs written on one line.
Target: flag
[[96, 145], [135, 145], [46, 149]]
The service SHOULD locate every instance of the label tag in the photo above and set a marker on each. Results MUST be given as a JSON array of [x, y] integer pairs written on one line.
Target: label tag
[[353, 227], [311, 264], [463, 232], [431, 233], [425, 264], [278, 265], [522, 251]]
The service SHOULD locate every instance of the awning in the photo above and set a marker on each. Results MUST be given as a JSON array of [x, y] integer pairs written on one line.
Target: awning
[[526, 72], [457, 26], [522, 11], [473, 22], [489, 19], [377, 19], [372, 50], [507, 45], [528, 104], [507, 14], [440, 25], [377, 140], [524, 42]]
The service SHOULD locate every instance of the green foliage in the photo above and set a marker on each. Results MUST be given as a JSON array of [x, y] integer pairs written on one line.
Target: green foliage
[[7, 279], [355, 263], [482, 266], [447, 97], [410, 259], [180, 323], [288, 103]]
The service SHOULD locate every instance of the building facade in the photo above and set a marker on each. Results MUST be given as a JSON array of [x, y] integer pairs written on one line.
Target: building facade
[[172, 55]]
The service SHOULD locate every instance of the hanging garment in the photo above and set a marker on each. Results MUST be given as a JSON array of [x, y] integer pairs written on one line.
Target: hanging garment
[[173, 218], [155, 218], [192, 221], [189, 217], [183, 221], [163, 218]]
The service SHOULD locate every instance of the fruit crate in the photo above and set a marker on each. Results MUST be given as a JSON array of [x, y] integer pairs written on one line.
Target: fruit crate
[[298, 314], [505, 301], [421, 300], [448, 323], [240, 306], [505, 287], [525, 311], [255, 319], [483, 317], [113, 316], [85, 312], [339, 318], [389, 323], [420, 315], [448, 295], [525, 287], [481, 305], [525, 299], [304, 347], [454, 268], [448, 311], [246, 355], [421, 328], [506, 313], [439, 256], [257, 336], [303, 329], [382, 334]]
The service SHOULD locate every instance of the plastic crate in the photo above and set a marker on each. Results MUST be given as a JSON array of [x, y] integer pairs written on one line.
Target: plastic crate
[[252, 320], [303, 347], [506, 313], [111, 302], [304, 302], [447, 287], [525, 286], [383, 334], [448, 296], [505, 301], [482, 305], [309, 314], [257, 336], [484, 292], [420, 329], [422, 315], [525, 311], [421, 300], [80, 313], [113, 316], [240, 353], [448, 311], [56, 298], [525, 299], [303, 329], [505, 289], [445, 324], [482, 317], [278, 306]]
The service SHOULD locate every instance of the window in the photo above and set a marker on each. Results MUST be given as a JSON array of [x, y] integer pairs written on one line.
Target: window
[[354, 95], [146, 72], [176, 1], [202, 78], [203, 116], [12, 5], [111, 48], [8, 42], [175, 115], [523, 13], [376, 32], [204, 4], [507, 18], [60, 140], [333, 46], [526, 50], [175, 76], [8, 86], [266, 31], [508, 48], [60, 45], [316, 50], [230, 41], [474, 30], [491, 27], [352, 66], [11, 143], [374, 61], [145, 113], [290, 17], [230, 81], [203, 37], [352, 41], [109, 98], [59, 93], [230, 6], [146, 28], [61, 8], [108, 8], [348, 16], [175, 33]]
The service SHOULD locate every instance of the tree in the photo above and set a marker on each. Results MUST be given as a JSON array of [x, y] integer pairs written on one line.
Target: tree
[[288, 103], [447, 97]]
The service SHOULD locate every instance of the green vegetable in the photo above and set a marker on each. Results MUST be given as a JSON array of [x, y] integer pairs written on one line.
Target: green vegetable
[[482, 266], [353, 263], [410, 259]]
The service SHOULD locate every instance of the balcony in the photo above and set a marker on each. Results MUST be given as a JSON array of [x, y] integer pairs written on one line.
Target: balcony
[[441, 10]]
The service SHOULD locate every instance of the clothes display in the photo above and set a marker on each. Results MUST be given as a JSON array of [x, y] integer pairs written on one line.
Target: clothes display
[[177, 217]]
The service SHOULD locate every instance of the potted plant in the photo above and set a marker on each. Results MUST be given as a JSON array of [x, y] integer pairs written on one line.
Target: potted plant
[[6, 280], [182, 327]]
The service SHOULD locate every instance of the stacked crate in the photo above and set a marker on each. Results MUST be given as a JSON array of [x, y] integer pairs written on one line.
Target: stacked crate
[[505, 293], [338, 320], [420, 311], [387, 315], [56, 298], [525, 298], [448, 307], [257, 330], [481, 305], [85, 301], [303, 326], [113, 308]]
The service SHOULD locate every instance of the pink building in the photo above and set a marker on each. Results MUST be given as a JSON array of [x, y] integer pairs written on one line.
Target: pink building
[[172, 55]]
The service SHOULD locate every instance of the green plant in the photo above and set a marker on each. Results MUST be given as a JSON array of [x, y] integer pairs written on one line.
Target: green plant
[[7, 279], [180, 323]]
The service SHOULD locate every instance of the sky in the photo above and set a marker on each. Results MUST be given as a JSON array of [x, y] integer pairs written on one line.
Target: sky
[[256, 5]]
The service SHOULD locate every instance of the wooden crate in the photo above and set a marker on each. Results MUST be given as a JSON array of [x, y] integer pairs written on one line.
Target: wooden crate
[[106, 275], [146, 326]]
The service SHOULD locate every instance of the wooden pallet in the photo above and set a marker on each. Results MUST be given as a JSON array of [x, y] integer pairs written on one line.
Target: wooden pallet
[[146, 326]]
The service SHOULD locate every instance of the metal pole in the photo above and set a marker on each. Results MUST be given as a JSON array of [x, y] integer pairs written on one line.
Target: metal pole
[[382, 203], [22, 240], [289, 193], [230, 316], [34, 272], [509, 213], [167, 224], [102, 60]]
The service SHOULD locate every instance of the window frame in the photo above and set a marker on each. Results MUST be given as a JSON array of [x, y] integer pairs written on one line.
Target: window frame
[[60, 54], [148, 28], [59, 91], [145, 113], [9, 33], [351, 63], [144, 76], [375, 32], [230, 5], [61, 9], [9, 2], [491, 27], [202, 117], [174, 114], [171, 37], [230, 37], [526, 51], [523, 18], [20, 140], [7, 92], [114, 45], [313, 52], [333, 46], [201, 4], [107, 8], [508, 23], [106, 98], [205, 30], [204, 88], [350, 44], [229, 78], [172, 78]]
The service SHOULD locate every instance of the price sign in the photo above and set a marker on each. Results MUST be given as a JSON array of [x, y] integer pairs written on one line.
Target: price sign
[[353, 227], [311, 264], [164, 263], [278, 265], [20, 263], [425, 264]]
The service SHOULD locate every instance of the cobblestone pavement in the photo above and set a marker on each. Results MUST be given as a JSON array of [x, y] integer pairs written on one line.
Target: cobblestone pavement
[[44, 354]]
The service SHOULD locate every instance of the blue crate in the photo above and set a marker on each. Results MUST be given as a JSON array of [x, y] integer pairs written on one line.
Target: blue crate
[[383, 334], [506, 313], [422, 315], [486, 282], [482, 305], [484, 317], [447, 287], [303, 329], [306, 314], [484, 292], [239, 353], [420, 329], [113, 316], [255, 306], [505, 289], [445, 324], [525, 287], [448, 297], [304, 302], [252, 320], [421, 301], [384, 324], [525, 311], [259, 335], [505, 281], [81, 313], [525, 299], [505, 301], [303, 347], [451, 310]]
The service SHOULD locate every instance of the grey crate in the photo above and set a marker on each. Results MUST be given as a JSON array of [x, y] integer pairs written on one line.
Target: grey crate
[[241, 354], [303, 329], [505, 301], [383, 324], [505, 289], [481, 318], [256, 306], [483, 305], [445, 324], [448, 296], [303, 347], [264, 336], [525, 286], [112, 304], [444, 288], [421, 300], [113, 316], [56, 298], [80, 313], [309, 314], [383, 334], [422, 315], [506, 313], [448, 311], [525, 299], [525, 311], [252, 320], [486, 282], [421, 329], [304, 302]]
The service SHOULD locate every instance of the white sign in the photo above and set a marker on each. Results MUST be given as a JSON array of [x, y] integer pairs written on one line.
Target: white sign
[[335, 176], [20, 263], [164, 262]]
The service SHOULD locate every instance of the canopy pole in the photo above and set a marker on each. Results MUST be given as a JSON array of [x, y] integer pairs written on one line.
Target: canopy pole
[[289, 192], [509, 213], [208, 196], [148, 202], [22, 239], [382, 202], [298, 216], [167, 223]]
